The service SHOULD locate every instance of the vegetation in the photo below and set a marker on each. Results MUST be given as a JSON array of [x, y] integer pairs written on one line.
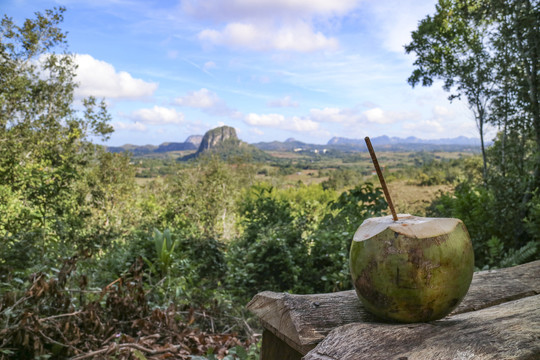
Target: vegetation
[[487, 52], [103, 254]]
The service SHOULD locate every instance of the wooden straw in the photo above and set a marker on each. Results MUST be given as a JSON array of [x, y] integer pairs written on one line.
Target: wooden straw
[[381, 178]]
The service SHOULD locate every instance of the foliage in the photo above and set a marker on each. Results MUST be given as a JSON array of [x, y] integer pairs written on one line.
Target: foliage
[[214, 214], [164, 249], [451, 171], [45, 147], [297, 246], [450, 45], [271, 253], [341, 178], [491, 224], [92, 261], [46, 322], [488, 52]]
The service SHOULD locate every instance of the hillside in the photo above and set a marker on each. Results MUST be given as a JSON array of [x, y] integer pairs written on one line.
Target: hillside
[[224, 142], [386, 140], [216, 140], [191, 143], [383, 143]]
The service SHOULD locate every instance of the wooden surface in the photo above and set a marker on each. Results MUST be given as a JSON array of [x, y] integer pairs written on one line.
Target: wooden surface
[[507, 331], [274, 348], [302, 321]]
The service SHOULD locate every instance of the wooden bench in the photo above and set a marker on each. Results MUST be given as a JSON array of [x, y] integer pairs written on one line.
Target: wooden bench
[[498, 319]]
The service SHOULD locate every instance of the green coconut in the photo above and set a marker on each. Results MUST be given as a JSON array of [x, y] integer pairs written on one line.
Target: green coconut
[[414, 269]]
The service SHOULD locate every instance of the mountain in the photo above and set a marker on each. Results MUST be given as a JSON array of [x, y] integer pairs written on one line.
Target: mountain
[[191, 143], [289, 145], [136, 150], [173, 146], [384, 143], [224, 142], [385, 140], [217, 137], [195, 140]]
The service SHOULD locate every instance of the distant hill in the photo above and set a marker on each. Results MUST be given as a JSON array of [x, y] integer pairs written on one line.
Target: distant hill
[[216, 138], [172, 146], [288, 145], [384, 143], [191, 143], [411, 143], [386, 140], [224, 142], [136, 150], [195, 140]]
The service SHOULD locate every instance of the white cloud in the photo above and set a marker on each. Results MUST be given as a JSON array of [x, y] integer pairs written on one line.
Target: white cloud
[[442, 122], [378, 116], [256, 131], [297, 37], [200, 99], [136, 126], [301, 124], [279, 121], [335, 115], [270, 120], [267, 25], [441, 111], [156, 116], [283, 102], [426, 127], [352, 115], [100, 79], [394, 25], [208, 102], [231, 10]]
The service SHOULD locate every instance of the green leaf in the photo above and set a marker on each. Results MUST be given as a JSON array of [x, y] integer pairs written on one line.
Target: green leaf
[[139, 355]]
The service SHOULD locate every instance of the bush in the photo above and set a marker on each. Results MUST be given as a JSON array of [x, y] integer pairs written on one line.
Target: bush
[[298, 243], [494, 220]]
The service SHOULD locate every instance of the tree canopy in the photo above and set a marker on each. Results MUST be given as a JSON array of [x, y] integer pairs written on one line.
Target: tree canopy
[[488, 53], [45, 138]]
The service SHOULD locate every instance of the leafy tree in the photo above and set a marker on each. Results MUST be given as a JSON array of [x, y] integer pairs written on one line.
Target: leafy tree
[[202, 199], [489, 52], [44, 142], [515, 41], [340, 178], [298, 240], [450, 46]]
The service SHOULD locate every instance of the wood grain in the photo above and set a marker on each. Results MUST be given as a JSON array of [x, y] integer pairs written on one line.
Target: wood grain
[[507, 331], [302, 321]]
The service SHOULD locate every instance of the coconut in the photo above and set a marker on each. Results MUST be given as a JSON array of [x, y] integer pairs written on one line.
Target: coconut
[[414, 269]]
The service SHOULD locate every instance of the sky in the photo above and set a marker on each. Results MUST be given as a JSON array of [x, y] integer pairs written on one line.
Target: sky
[[272, 69]]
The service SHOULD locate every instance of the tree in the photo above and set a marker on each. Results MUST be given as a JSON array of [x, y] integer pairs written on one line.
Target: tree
[[489, 51], [451, 46], [516, 39], [44, 141]]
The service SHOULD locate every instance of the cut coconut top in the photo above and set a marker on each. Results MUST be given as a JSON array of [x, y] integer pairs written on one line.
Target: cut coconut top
[[408, 225]]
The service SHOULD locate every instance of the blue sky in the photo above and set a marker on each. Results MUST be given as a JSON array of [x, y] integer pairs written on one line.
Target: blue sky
[[273, 69]]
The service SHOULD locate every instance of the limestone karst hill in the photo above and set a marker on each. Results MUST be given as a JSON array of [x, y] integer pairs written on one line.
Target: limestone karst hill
[[223, 142]]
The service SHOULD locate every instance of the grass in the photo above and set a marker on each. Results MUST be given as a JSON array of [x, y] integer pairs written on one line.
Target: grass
[[407, 197], [413, 199]]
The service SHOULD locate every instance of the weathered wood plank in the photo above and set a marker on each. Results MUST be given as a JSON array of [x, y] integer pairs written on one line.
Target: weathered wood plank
[[302, 321], [489, 288], [275, 348], [507, 331]]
